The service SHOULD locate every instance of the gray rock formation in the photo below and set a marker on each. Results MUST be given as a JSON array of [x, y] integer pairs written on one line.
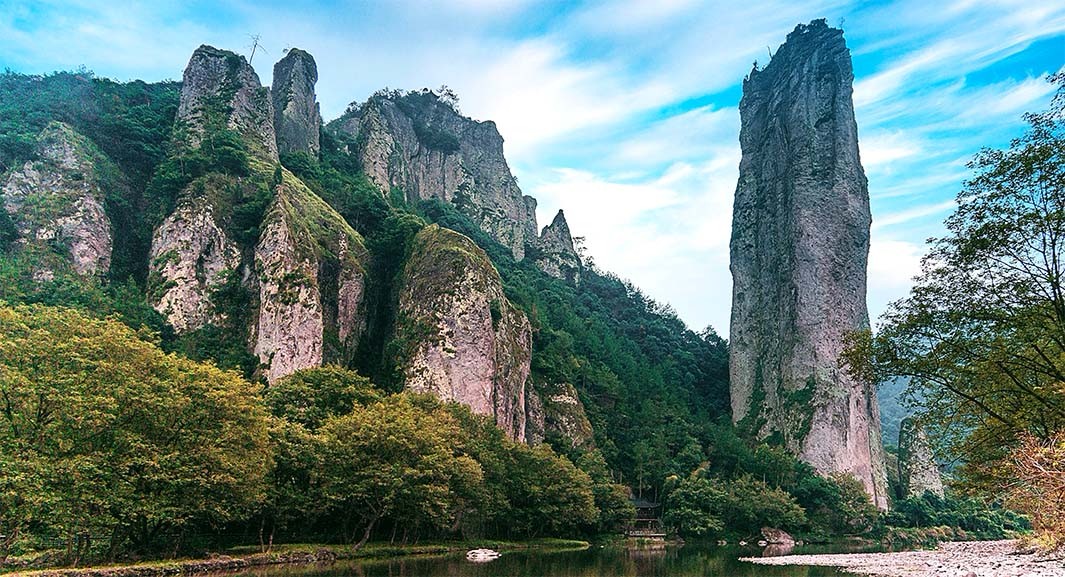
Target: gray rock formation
[[419, 145], [800, 245], [304, 274], [221, 90], [297, 118], [304, 295], [918, 472], [191, 256], [555, 254], [56, 203], [556, 409], [465, 341]]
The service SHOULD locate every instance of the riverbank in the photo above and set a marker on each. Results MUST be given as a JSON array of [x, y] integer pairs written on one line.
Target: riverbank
[[239, 559], [954, 559]]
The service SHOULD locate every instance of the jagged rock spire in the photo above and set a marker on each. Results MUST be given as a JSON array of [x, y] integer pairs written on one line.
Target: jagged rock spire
[[917, 466], [799, 251], [556, 253], [297, 118], [221, 90]]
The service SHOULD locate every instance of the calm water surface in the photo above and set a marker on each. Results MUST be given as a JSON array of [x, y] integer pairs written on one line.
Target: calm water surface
[[685, 561]]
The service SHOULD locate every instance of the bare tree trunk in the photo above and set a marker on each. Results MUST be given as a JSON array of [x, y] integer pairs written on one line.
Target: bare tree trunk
[[366, 533]]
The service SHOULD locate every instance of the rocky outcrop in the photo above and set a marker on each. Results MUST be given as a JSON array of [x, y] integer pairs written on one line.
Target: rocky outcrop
[[310, 267], [56, 203], [221, 90], [557, 410], [464, 341], [417, 144], [800, 245], [190, 258], [297, 118], [555, 254], [918, 471], [301, 269]]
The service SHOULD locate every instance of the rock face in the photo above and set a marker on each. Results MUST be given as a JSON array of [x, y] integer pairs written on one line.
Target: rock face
[[557, 410], [297, 118], [918, 472], [190, 257], [303, 275], [800, 245], [56, 203], [304, 296], [465, 341], [556, 255], [419, 145], [221, 90]]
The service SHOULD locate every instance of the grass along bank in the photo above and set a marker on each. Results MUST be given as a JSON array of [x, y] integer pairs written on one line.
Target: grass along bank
[[244, 557]]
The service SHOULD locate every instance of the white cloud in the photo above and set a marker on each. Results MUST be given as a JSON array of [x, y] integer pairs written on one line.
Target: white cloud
[[892, 266]]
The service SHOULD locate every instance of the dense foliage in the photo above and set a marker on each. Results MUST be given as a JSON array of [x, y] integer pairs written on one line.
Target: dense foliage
[[742, 488], [105, 440], [130, 122], [982, 334]]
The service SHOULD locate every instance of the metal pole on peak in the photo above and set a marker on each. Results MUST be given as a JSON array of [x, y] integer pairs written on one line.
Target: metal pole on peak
[[255, 45]]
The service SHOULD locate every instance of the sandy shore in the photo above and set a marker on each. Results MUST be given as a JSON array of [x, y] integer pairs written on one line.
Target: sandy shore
[[968, 559]]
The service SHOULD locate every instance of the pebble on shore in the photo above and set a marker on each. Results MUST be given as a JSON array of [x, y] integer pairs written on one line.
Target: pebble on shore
[[958, 559]]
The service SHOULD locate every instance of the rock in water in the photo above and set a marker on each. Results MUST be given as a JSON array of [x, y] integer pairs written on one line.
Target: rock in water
[[917, 466], [296, 115], [556, 255], [418, 145], [56, 203], [800, 245], [464, 341]]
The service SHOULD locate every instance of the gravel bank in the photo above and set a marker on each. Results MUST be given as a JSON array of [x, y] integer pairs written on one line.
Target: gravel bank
[[961, 559]]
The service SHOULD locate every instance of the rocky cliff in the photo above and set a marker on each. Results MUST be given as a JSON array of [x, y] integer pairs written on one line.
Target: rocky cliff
[[56, 203], [555, 253], [464, 340], [311, 268], [297, 119], [221, 90], [297, 263], [918, 471], [799, 249], [417, 144], [557, 409]]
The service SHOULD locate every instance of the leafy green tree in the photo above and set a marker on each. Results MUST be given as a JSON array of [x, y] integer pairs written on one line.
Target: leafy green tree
[[695, 507], [982, 333], [89, 404], [393, 458], [309, 397]]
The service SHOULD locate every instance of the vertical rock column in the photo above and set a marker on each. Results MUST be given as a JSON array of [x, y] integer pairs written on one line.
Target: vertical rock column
[[296, 116], [918, 472], [799, 250]]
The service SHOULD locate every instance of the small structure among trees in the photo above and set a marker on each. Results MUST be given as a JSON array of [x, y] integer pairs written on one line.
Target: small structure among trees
[[648, 521]]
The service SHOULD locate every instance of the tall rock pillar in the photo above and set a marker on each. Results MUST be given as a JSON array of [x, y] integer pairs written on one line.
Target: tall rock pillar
[[799, 250]]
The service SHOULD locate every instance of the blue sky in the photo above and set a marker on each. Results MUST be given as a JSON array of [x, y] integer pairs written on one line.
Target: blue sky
[[625, 113]]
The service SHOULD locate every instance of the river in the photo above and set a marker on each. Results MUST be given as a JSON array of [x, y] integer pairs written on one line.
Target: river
[[595, 561]]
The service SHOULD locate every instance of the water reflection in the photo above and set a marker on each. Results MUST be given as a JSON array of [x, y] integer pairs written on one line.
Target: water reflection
[[687, 561]]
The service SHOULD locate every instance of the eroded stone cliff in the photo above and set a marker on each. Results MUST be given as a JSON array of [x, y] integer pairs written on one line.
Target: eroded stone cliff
[[419, 145], [556, 409], [220, 89], [555, 253], [297, 118], [56, 203], [799, 250], [301, 269], [918, 471], [465, 341]]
